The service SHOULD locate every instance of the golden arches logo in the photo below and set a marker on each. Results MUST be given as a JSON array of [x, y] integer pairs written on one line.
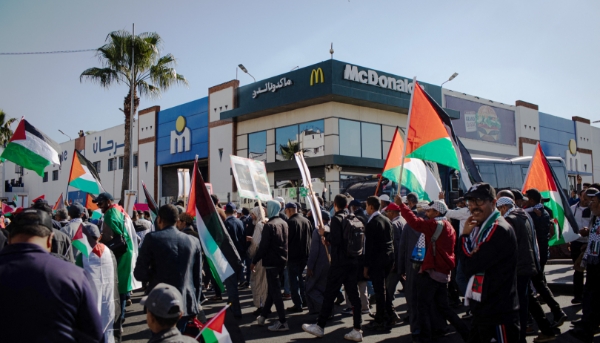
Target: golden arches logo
[[314, 76]]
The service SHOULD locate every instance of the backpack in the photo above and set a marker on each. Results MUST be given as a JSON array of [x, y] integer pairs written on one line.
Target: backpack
[[418, 253], [353, 231]]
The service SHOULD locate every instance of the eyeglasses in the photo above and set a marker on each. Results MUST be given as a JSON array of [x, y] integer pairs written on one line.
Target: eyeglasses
[[476, 201]]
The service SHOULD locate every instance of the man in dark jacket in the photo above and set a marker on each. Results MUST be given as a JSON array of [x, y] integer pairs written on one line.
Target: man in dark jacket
[[489, 257], [437, 266], [299, 237], [273, 252], [235, 228], [343, 271], [54, 295], [172, 257], [526, 268], [357, 210], [379, 258]]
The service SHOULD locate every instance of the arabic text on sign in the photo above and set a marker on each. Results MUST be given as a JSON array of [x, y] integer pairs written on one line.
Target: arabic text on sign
[[272, 87]]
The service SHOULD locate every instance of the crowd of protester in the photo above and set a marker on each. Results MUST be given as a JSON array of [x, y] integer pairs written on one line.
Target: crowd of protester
[[487, 253]]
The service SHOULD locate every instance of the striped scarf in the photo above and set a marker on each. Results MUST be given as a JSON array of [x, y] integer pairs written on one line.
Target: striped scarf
[[592, 252], [478, 236]]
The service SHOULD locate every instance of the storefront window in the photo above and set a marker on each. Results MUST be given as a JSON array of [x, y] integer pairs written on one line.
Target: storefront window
[[286, 142], [257, 146], [312, 138], [371, 140], [349, 138]]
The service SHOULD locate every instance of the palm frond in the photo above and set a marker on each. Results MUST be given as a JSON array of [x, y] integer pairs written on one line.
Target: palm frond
[[103, 76]]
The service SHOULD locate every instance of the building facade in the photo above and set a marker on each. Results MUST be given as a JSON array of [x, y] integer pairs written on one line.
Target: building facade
[[342, 116]]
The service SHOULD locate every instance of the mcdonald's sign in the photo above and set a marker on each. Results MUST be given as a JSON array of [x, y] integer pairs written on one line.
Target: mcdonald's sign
[[314, 76]]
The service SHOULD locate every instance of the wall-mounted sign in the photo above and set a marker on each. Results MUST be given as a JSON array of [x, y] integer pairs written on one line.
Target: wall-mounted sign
[[483, 122], [272, 87], [573, 147], [316, 76], [110, 145], [180, 137], [368, 76]]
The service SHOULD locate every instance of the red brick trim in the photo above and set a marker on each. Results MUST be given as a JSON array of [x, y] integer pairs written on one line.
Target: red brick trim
[[146, 140], [527, 105], [233, 83], [220, 122], [584, 151], [149, 110], [523, 140], [581, 120]]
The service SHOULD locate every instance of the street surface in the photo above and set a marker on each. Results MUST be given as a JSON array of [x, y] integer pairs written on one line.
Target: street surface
[[246, 330]]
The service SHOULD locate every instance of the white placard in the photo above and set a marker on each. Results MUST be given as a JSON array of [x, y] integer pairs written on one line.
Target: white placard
[[250, 178]]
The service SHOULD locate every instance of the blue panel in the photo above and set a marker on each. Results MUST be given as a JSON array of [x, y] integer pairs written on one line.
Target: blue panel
[[555, 136], [77, 196], [556, 123], [196, 116], [552, 149]]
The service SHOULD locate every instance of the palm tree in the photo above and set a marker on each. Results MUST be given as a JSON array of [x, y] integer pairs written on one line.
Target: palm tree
[[151, 75], [288, 150], [5, 131]]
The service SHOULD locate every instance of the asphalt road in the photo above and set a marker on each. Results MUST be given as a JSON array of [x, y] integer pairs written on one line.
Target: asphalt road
[[246, 330]]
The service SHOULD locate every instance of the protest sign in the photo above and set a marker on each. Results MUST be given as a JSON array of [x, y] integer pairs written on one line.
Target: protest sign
[[250, 178]]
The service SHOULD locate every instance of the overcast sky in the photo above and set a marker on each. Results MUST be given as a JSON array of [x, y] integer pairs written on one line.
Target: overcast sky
[[543, 52]]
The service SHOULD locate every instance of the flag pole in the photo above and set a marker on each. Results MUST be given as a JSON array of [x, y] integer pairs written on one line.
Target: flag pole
[[378, 184], [412, 95]]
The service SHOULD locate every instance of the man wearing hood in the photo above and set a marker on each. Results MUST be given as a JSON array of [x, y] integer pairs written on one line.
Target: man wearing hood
[[273, 252]]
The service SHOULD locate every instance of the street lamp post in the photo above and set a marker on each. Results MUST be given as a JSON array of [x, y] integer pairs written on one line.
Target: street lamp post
[[241, 66], [64, 134], [452, 77]]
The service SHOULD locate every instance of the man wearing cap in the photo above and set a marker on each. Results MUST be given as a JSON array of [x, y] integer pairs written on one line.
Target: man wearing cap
[[489, 256], [526, 268], [282, 204], [393, 214], [43, 298], [299, 238], [117, 225], [76, 211], [172, 257], [164, 308], [356, 209], [235, 228], [434, 273], [101, 265], [384, 200], [585, 330]]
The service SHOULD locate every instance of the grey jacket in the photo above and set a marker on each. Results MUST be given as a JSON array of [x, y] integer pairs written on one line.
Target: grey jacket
[[172, 257]]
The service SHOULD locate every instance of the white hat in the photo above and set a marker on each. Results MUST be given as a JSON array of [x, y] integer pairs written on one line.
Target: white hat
[[438, 206], [384, 197], [280, 199]]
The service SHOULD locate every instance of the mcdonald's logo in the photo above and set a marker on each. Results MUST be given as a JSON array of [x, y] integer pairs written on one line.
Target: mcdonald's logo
[[314, 76]]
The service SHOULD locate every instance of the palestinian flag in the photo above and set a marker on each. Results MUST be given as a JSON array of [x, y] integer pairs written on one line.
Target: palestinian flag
[[41, 197], [7, 209], [215, 331], [31, 149], [541, 176], [117, 220], [191, 205], [80, 242], [431, 137], [83, 175], [416, 176], [218, 247], [151, 203], [89, 202], [60, 204]]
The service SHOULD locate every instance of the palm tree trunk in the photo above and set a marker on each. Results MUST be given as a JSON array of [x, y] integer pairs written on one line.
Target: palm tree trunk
[[127, 152]]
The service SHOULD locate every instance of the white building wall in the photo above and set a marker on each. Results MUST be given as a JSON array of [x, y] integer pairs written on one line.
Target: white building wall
[[595, 133], [220, 165]]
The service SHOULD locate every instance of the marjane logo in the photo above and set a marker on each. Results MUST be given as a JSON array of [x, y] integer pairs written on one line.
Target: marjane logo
[[180, 137]]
